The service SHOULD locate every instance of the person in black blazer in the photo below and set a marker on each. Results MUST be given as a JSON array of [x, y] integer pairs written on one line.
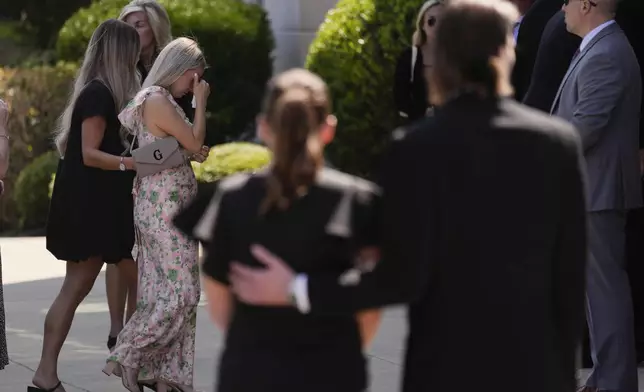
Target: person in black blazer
[[483, 229], [528, 35], [556, 50], [411, 96], [630, 14]]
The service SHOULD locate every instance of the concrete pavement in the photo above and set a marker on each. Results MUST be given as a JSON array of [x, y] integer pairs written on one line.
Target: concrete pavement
[[32, 278]]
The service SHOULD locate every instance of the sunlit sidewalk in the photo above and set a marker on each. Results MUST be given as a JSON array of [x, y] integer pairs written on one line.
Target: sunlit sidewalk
[[32, 279]]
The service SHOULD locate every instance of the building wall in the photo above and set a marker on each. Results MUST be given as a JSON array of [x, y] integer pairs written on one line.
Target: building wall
[[295, 23]]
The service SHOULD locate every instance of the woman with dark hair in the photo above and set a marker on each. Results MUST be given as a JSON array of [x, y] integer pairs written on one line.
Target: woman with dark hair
[[306, 212], [485, 238]]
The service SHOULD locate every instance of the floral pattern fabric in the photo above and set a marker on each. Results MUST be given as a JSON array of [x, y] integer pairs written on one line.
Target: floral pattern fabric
[[159, 339]]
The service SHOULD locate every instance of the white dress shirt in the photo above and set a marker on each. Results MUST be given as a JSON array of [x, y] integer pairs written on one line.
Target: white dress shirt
[[517, 26], [593, 33]]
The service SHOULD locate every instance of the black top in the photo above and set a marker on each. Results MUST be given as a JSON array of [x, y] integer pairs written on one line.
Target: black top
[[279, 349], [527, 45], [487, 242], [556, 49], [410, 97], [91, 210], [184, 102], [629, 17]]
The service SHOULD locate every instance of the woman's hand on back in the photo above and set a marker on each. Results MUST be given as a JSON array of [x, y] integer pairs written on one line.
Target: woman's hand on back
[[201, 91]]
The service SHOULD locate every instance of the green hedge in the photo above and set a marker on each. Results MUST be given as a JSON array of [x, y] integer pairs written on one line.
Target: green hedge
[[236, 38], [36, 96], [355, 51], [31, 192], [231, 158]]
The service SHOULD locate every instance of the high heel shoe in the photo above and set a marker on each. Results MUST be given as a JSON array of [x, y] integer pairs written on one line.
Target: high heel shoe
[[37, 389], [128, 376], [152, 387], [111, 342]]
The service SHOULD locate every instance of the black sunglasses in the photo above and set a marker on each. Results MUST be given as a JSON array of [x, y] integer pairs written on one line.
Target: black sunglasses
[[592, 3], [431, 21]]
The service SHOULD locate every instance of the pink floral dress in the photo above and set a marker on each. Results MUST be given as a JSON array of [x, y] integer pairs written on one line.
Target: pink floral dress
[[159, 339]]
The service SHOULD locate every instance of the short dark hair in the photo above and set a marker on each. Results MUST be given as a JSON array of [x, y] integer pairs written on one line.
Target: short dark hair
[[469, 36]]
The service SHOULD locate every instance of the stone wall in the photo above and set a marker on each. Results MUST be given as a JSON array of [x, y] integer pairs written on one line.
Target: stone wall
[[295, 23]]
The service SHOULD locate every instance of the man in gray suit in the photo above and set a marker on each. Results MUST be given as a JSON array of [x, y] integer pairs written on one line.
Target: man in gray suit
[[600, 95]]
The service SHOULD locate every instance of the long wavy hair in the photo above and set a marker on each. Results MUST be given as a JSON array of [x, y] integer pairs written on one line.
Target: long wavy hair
[[158, 20], [111, 58], [177, 57]]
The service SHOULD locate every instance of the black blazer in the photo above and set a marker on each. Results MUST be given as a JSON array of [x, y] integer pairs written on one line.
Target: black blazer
[[629, 17], [556, 50], [483, 232], [532, 27], [410, 98]]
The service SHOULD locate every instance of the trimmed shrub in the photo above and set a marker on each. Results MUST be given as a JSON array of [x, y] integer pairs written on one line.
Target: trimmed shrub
[[31, 192], [51, 186], [237, 40], [231, 158], [36, 97], [355, 51]]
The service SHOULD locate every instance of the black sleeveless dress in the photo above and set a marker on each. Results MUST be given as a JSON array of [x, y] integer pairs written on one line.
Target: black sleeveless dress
[[91, 210], [280, 349]]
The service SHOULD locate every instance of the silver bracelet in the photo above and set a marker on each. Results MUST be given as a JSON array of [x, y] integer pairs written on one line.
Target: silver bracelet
[[5, 136]]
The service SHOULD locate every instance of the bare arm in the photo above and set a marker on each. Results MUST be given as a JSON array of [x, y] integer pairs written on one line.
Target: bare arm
[[220, 302], [93, 131], [159, 113], [369, 321]]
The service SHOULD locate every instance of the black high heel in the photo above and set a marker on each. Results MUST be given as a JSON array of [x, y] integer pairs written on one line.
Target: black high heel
[[111, 342], [152, 387], [36, 389]]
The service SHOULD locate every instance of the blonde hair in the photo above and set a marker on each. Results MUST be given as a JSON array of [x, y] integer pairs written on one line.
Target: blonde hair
[[111, 57], [174, 60], [419, 38], [158, 20]]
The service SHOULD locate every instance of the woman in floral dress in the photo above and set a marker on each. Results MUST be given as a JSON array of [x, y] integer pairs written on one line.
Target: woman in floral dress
[[156, 347]]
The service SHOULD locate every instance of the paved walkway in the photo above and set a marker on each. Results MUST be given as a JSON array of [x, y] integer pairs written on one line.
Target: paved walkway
[[32, 279]]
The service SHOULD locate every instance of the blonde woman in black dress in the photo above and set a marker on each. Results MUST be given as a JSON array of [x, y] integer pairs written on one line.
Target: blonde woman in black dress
[[411, 90], [4, 164], [90, 219]]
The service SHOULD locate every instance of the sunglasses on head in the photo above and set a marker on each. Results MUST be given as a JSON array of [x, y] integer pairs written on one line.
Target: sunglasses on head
[[431, 21], [592, 3]]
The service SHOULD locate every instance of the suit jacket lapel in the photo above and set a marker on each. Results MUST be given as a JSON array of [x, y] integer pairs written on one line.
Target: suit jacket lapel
[[606, 31]]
